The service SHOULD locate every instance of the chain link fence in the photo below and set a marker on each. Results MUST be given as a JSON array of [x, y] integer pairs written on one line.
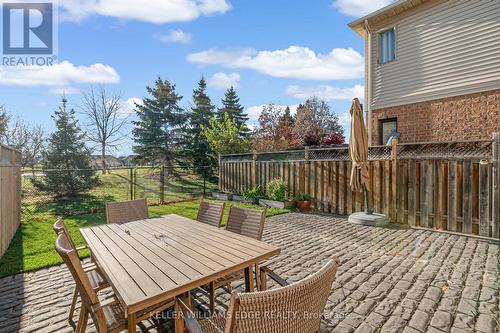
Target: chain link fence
[[159, 184]]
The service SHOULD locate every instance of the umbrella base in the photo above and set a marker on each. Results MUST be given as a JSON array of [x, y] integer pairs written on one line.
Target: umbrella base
[[373, 220]]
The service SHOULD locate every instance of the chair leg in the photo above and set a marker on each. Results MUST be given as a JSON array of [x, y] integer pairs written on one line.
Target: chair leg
[[82, 320], [212, 298], [73, 304], [263, 281], [257, 279]]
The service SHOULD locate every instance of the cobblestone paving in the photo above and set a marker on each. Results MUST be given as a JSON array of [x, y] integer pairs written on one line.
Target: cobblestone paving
[[391, 280]]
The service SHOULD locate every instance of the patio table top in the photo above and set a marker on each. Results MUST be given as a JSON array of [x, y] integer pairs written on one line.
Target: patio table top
[[149, 261]]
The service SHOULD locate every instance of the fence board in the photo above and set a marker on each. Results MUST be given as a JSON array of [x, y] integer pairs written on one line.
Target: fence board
[[412, 197], [467, 197], [452, 196], [495, 221], [484, 216]]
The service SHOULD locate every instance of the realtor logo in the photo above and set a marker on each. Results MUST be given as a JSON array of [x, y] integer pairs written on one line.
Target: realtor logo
[[28, 33]]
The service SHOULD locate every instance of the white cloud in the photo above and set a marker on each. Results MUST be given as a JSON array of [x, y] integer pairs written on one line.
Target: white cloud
[[176, 36], [128, 106], [359, 8], [253, 112], [327, 92], [154, 11], [64, 90], [223, 81], [59, 75], [295, 62]]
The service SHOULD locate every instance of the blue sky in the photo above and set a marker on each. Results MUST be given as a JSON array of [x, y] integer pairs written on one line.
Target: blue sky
[[277, 51]]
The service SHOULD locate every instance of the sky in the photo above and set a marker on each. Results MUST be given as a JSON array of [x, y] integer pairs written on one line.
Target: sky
[[278, 51]]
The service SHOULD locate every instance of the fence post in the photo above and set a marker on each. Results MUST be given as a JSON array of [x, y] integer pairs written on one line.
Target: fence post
[[254, 168], [162, 185], [220, 174], [131, 184], [204, 182], [495, 221], [307, 172], [394, 197]]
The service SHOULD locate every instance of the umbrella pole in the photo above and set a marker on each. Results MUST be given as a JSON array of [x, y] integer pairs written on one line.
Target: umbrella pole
[[368, 208]]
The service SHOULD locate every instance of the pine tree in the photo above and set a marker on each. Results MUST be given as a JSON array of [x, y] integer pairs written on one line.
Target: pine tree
[[159, 132], [232, 107], [67, 154], [202, 111]]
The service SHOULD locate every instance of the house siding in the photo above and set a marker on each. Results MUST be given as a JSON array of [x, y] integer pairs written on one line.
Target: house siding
[[467, 117], [443, 49]]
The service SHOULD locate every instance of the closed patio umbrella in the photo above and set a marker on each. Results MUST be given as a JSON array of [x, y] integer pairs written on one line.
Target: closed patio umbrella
[[358, 151]]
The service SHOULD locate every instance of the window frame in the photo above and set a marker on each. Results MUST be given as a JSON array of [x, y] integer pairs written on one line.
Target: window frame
[[379, 44], [381, 123]]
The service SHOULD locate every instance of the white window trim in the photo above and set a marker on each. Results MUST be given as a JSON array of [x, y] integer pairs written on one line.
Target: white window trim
[[380, 31]]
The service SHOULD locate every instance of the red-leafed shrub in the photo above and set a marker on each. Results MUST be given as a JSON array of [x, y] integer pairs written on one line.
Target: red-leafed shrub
[[333, 139]]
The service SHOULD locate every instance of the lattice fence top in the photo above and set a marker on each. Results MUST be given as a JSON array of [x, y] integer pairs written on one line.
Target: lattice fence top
[[432, 150], [449, 150]]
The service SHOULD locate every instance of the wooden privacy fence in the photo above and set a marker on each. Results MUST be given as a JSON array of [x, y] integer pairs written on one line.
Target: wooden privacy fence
[[10, 195], [449, 186]]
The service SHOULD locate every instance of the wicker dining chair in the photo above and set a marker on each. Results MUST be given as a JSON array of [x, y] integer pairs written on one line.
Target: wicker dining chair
[[291, 308], [211, 213], [247, 222], [97, 281], [126, 211], [107, 314]]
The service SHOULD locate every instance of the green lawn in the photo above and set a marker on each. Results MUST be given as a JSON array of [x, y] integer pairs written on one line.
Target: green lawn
[[33, 245]]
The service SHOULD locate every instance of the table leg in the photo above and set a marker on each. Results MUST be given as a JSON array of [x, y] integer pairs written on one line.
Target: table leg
[[180, 326], [132, 322], [249, 279]]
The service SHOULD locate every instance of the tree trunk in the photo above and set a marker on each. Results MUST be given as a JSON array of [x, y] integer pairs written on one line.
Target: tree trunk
[[103, 158]]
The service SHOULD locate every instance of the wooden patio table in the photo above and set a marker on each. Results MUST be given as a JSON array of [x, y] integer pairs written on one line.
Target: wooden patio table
[[147, 262]]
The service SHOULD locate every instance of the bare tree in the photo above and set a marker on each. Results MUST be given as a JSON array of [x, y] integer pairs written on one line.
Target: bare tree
[[4, 123], [104, 120], [29, 140]]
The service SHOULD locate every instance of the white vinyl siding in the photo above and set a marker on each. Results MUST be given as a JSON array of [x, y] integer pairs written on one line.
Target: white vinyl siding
[[446, 49]]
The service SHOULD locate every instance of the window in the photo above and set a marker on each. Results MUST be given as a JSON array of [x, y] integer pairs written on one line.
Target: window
[[387, 128], [387, 46]]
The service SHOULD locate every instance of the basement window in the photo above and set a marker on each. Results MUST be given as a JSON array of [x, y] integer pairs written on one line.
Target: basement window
[[387, 46], [386, 129]]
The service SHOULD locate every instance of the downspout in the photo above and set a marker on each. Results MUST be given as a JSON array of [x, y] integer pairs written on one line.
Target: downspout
[[368, 80]]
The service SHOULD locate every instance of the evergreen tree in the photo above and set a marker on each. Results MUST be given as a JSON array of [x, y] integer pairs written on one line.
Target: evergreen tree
[[66, 152], [223, 136], [159, 132], [202, 111], [232, 107]]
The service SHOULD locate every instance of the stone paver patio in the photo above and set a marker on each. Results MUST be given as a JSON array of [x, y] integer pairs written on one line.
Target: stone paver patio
[[392, 280]]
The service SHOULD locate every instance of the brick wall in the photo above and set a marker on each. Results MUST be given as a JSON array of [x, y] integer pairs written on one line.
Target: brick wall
[[467, 117]]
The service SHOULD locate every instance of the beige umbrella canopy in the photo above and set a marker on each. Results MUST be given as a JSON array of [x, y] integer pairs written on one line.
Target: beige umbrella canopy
[[358, 148]]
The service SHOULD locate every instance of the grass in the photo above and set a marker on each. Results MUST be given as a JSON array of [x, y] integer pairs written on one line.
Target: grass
[[33, 245], [116, 185]]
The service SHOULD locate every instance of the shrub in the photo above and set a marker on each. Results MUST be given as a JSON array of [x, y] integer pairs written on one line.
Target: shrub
[[333, 139], [276, 189], [253, 193], [303, 197]]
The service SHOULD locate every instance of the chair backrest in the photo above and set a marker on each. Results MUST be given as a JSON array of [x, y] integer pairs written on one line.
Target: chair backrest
[[211, 213], [127, 211], [247, 222], [71, 259], [297, 307], [60, 227]]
